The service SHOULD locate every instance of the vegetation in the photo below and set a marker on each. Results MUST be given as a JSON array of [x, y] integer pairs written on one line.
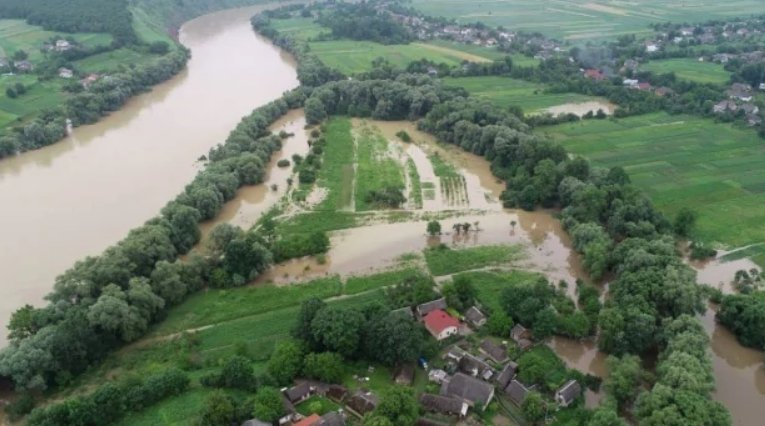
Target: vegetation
[[443, 260], [690, 69], [379, 176]]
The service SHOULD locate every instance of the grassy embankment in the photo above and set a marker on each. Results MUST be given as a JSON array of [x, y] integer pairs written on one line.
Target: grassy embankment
[[690, 69], [505, 92], [581, 21], [683, 161]]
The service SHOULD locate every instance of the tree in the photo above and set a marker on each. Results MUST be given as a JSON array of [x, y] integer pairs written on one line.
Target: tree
[[218, 409], [684, 222], [606, 416], [499, 324], [434, 228], [268, 405], [623, 379], [460, 293], [375, 420], [457, 227], [398, 405], [10, 93], [303, 329], [314, 110], [392, 339], [286, 361], [20, 55], [745, 316], [338, 329], [325, 366], [534, 408], [237, 372]]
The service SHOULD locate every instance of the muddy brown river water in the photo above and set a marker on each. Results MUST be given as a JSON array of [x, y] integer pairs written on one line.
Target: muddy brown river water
[[77, 197]]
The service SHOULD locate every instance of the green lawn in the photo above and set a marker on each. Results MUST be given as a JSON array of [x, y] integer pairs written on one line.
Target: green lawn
[[444, 261], [690, 69], [582, 20], [506, 92], [113, 60], [336, 174], [716, 169], [39, 95], [300, 28], [489, 285], [351, 57], [16, 35]]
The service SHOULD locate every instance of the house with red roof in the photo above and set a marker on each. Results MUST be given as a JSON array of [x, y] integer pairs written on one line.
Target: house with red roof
[[311, 420], [594, 74], [440, 324]]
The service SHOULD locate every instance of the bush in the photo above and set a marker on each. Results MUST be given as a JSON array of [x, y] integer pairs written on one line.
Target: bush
[[390, 197], [283, 163], [404, 136]]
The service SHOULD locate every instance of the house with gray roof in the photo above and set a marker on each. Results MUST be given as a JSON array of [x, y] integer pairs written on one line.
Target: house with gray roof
[[447, 405], [431, 306], [517, 392], [362, 402], [507, 374], [333, 418], [493, 350], [298, 393], [476, 367], [568, 393], [475, 317], [471, 390], [256, 422]]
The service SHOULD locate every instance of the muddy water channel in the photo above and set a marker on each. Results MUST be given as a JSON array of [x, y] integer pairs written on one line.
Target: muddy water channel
[[582, 108], [75, 198]]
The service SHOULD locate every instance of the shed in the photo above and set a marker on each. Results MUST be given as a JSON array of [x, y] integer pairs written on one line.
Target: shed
[[362, 402], [568, 393], [493, 350], [443, 404], [517, 392], [475, 317], [519, 332], [506, 375], [404, 375], [431, 306]]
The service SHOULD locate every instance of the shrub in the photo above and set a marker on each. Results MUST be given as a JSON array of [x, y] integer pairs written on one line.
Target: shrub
[[283, 163]]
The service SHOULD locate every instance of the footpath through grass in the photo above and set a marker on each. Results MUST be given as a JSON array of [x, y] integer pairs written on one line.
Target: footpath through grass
[[683, 161]]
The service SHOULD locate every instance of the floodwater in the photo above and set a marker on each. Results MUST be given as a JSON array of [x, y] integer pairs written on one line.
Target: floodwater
[[739, 371], [81, 195], [582, 108]]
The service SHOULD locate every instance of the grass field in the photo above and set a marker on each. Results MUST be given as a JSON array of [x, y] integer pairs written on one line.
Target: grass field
[[376, 169], [489, 285], [690, 69], [16, 35], [506, 92], [39, 95], [336, 174], [582, 20], [112, 60], [445, 261], [715, 169]]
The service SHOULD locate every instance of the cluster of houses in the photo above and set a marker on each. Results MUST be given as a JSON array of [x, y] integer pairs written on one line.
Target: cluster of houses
[[740, 97], [23, 66], [630, 64], [305, 389], [59, 45]]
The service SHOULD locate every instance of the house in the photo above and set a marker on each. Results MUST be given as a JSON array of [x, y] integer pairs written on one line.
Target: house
[[594, 74], [89, 80], [475, 367], [298, 393], [568, 393], [440, 324], [404, 375], [750, 109], [644, 86], [507, 374], [455, 353], [65, 73], [311, 420], [740, 91], [517, 392], [722, 58], [432, 72], [336, 393], [631, 65], [63, 45], [447, 405], [333, 418], [630, 82], [762, 85], [431, 306], [494, 351], [437, 376], [475, 317], [362, 402], [519, 332], [469, 389], [725, 106], [23, 66], [651, 47], [753, 120], [255, 422]]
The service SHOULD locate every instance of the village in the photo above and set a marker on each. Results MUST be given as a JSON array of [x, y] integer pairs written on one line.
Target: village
[[470, 373]]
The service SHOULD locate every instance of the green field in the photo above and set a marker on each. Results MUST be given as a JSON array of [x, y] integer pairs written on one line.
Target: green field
[[689, 69], [683, 161], [376, 169], [507, 92], [445, 261], [16, 35], [586, 19], [113, 60], [39, 95]]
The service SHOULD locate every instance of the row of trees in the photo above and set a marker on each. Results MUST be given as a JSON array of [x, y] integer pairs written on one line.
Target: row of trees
[[363, 21], [105, 301]]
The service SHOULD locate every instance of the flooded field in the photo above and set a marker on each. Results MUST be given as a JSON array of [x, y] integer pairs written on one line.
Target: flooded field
[[582, 108]]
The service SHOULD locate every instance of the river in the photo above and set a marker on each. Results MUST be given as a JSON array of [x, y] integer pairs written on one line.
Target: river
[[77, 197]]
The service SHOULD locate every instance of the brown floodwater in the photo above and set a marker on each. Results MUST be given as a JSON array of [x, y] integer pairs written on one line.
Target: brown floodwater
[[582, 108], [77, 197]]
